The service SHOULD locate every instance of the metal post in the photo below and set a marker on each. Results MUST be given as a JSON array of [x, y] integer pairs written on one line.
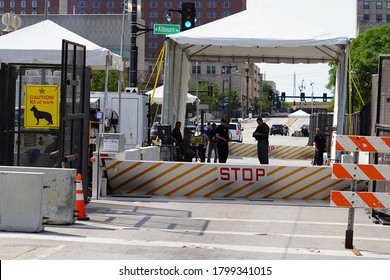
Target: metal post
[[247, 92], [197, 91], [47, 5], [312, 96], [351, 219], [133, 46]]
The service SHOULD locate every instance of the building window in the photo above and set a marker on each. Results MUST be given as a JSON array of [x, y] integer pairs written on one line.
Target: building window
[[366, 17], [211, 14], [110, 4], [366, 4], [23, 12], [387, 18], [226, 4], [82, 4], [168, 4], [378, 5], [198, 4], [153, 14], [1, 4], [34, 5], [152, 45], [210, 69], [23, 4], [388, 5], [153, 4], [194, 69], [211, 4], [226, 13], [12, 4], [96, 4], [378, 18]]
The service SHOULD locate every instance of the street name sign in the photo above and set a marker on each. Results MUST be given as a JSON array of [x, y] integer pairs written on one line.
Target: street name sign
[[166, 28]]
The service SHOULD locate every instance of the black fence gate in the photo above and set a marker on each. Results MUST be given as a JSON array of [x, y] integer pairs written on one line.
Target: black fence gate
[[44, 112]]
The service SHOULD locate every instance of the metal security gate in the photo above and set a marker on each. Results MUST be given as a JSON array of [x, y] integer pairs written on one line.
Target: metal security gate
[[74, 110]]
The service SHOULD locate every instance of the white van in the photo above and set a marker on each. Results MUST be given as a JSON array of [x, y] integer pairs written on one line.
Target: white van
[[235, 130]]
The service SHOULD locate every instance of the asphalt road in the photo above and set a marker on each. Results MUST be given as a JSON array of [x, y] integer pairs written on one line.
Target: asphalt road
[[175, 229]]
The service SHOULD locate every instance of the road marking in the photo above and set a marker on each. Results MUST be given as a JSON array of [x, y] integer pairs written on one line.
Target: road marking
[[207, 246]]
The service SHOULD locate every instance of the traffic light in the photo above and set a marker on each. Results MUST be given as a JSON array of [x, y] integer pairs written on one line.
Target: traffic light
[[324, 97], [270, 95], [210, 90], [187, 16], [283, 96], [302, 96]]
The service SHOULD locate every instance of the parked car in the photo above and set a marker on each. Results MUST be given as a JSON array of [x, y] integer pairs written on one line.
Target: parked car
[[235, 130], [278, 129]]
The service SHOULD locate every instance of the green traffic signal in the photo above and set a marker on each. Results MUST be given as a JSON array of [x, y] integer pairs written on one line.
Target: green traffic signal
[[283, 98], [324, 97], [188, 15], [302, 96]]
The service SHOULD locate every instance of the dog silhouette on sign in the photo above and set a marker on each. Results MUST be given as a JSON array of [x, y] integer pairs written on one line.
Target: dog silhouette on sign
[[42, 115]]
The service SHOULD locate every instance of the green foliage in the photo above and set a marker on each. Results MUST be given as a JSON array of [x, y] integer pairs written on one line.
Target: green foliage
[[364, 53], [98, 80]]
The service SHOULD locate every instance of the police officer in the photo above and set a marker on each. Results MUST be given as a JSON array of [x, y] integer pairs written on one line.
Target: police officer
[[222, 135], [261, 135]]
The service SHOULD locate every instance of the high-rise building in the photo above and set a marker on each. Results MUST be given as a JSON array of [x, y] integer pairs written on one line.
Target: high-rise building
[[372, 13]]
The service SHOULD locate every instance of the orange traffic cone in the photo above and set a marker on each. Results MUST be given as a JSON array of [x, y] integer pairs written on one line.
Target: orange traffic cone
[[80, 206]]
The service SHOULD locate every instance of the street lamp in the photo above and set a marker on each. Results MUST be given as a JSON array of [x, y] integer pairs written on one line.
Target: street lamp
[[227, 69], [312, 95]]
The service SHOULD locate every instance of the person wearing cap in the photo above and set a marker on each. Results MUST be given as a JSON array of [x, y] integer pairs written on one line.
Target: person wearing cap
[[261, 135], [222, 135]]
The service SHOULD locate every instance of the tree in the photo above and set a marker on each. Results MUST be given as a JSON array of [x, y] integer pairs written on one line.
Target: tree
[[99, 77], [364, 55]]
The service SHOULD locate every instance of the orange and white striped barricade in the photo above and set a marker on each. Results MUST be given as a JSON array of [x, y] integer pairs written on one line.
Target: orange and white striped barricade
[[354, 172]]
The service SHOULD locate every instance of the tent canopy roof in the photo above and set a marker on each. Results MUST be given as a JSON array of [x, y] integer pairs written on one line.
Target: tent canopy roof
[[159, 94], [42, 43], [299, 114], [247, 36]]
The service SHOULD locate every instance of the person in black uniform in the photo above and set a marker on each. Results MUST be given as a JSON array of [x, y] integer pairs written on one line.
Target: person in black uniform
[[319, 143], [222, 135], [176, 133], [261, 135]]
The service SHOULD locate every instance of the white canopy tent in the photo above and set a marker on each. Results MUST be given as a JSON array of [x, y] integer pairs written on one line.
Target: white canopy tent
[[299, 114], [159, 95], [42, 43], [253, 36]]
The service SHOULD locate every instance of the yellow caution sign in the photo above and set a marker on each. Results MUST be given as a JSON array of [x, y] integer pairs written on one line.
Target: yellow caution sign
[[42, 104]]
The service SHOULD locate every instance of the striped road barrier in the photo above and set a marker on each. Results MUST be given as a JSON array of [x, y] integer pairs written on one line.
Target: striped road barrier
[[275, 151], [222, 181]]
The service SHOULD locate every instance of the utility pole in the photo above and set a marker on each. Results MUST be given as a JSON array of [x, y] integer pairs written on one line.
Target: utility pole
[[133, 46]]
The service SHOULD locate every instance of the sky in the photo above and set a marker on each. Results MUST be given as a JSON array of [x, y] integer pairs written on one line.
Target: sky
[[337, 17]]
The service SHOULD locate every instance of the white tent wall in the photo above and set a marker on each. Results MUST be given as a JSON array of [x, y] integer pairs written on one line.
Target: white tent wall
[[176, 78]]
